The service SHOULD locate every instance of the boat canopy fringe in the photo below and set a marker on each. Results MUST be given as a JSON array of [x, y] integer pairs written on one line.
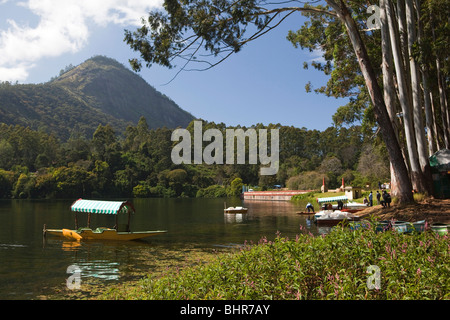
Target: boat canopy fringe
[[102, 207], [332, 199]]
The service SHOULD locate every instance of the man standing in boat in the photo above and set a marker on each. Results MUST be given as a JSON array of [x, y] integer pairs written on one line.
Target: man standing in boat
[[310, 206]]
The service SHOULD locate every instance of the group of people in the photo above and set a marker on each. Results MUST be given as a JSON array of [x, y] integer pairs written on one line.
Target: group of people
[[383, 199]]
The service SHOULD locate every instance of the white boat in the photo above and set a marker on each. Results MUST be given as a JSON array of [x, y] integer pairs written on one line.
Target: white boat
[[330, 217], [346, 204], [235, 210]]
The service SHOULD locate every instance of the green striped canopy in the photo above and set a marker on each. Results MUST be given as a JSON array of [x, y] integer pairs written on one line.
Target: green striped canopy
[[332, 199], [104, 207]]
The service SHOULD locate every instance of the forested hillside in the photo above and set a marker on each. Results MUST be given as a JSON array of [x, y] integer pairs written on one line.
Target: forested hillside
[[37, 165], [98, 91]]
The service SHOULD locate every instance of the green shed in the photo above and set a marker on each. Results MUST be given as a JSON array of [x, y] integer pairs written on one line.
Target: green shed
[[440, 170]]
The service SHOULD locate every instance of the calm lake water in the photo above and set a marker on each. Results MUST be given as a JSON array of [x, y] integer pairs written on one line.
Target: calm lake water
[[32, 267]]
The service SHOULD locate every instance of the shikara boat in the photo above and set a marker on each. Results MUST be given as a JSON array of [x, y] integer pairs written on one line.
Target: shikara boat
[[118, 232]]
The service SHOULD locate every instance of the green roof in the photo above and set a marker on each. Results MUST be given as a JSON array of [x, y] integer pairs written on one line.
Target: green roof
[[441, 160], [332, 199], [103, 207]]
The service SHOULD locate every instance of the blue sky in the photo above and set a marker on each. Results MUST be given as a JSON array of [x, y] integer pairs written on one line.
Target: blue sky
[[264, 83]]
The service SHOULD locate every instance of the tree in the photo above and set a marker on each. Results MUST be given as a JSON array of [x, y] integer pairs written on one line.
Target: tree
[[235, 187], [188, 28]]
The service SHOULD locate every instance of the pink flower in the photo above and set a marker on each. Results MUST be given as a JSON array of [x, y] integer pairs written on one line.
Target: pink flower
[[418, 272]]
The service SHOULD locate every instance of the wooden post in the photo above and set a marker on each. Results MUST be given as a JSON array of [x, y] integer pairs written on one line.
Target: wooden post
[[89, 220]]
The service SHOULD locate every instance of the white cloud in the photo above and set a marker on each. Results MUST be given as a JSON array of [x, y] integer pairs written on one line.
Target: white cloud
[[317, 56], [62, 28]]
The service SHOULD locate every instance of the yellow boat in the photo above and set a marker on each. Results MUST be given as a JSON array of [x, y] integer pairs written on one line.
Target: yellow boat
[[118, 232]]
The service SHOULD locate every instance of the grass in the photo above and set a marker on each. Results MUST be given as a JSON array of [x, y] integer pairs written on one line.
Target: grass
[[335, 266], [313, 195]]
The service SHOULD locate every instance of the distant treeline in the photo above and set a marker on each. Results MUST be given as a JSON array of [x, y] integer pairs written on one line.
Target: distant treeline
[[34, 164]]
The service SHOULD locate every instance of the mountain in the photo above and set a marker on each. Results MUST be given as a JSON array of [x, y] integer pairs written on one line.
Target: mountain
[[98, 91]]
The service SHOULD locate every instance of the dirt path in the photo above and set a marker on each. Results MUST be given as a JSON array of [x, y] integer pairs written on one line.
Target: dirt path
[[432, 210]]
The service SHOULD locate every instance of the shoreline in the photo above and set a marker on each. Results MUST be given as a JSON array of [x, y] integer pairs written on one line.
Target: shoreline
[[432, 210]]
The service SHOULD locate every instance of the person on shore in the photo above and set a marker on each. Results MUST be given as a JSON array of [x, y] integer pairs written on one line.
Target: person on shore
[[309, 206], [378, 197], [386, 200], [370, 199]]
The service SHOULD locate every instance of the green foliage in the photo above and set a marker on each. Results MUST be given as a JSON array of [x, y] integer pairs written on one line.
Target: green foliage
[[214, 191], [309, 196], [331, 267], [235, 188], [139, 163]]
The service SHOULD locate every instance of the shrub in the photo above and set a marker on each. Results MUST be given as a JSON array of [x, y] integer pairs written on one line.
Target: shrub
[[214, 191], [324, 267]]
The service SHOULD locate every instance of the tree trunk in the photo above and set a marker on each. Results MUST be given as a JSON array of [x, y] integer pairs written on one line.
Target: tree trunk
[[381, 115], [402, 38], [443, 103], [388, 85], [426, 89], [435, 126], [428, 113], [442, 97], [416, 100], [405, 103]]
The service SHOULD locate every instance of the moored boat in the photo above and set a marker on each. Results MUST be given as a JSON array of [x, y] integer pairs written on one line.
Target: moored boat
[[400, 226], [101, 234], [118, 232], [419, 226], [235, 210], [335, 217], [439, 228]]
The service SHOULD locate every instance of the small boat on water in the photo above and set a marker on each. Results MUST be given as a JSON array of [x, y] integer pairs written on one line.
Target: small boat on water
[[118, 232], [235, 210], [331, 218]]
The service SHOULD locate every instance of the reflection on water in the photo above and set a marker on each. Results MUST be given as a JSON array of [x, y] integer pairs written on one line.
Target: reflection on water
[[235, 217], [102, 269], [70, 245], [32, 267]]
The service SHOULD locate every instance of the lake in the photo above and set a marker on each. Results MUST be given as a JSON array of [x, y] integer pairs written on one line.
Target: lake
[[32, 267]]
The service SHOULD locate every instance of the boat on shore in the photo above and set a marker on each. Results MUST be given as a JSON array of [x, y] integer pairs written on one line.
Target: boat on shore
[[118, 232], [333, 214], [440, 228]]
